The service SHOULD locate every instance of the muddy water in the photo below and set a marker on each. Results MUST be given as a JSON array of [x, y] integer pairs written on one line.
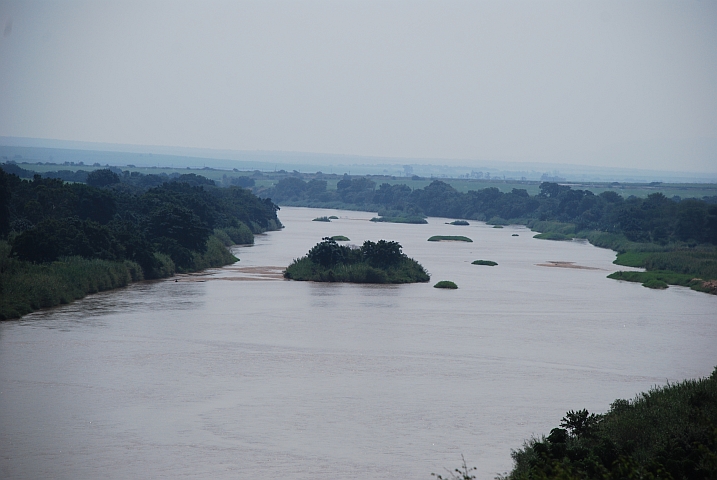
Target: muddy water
[[237, 373]]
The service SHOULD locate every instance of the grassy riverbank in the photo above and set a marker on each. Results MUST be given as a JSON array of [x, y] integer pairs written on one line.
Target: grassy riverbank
[[669, 432], [26, 286], [675, 263]]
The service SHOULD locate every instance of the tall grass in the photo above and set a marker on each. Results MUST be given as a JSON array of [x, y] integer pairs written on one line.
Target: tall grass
[[26, 287]]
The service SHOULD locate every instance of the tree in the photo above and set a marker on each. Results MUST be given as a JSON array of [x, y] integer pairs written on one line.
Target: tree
[[102, 178]]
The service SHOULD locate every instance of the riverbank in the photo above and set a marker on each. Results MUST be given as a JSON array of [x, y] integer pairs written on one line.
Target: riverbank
[[669, 264], [26, 287]]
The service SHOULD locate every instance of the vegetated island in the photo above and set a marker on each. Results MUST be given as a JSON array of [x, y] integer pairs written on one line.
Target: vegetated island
[[679, 234], [321, 219], [446, 284], [666, 433], [489, 263], [449, 238], [379, 262], [333, 217], [459, 222], [340, 238], [400, 216], [61, 241], [409, 219]]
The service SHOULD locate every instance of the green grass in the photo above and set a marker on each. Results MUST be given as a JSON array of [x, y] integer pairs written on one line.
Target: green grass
[[414, 220], [553, 236], [449, 238], [659, 279], [446, 284], [27, 287], [489, 263], [406, 271], [340, 238]]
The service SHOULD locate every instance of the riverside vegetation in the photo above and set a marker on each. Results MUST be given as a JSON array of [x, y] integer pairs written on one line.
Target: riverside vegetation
[[379, 262], [674, 239], [673, 227], [667, 433], [60, 241]]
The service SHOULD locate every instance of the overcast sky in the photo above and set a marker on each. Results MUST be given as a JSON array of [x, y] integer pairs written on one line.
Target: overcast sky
[[628, 84]]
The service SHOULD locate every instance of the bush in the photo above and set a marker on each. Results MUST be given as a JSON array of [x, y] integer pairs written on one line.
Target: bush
[[553, 236], [489, 263], [449, 238]]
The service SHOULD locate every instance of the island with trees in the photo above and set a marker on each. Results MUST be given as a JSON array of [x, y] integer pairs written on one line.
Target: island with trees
[[373, 262], [60, 241], [674, 238]]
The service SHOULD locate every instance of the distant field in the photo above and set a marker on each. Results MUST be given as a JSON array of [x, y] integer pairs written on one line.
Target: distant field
[[268, 179]]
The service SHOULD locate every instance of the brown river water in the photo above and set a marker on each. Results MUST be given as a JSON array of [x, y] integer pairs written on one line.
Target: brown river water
[[237, 373]]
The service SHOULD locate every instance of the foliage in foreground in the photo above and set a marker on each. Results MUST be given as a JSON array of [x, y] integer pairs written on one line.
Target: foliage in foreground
[[380, 262], [667, 433]]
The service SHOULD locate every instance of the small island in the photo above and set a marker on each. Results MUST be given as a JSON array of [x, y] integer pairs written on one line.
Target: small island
[[449, 238], [446, 284], [340, 238], [459, 222], [489, 263], [321, 219], [379, 262], [411, 219], [333, 217]]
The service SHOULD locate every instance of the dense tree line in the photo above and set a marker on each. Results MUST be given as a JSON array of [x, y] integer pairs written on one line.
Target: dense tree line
[[655, 219], [45, 219]]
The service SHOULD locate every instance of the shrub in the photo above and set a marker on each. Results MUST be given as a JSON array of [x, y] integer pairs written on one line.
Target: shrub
[[449, 238], [489, 263]]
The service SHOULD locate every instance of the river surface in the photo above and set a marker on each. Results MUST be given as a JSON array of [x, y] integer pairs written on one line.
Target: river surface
[[238, 373]]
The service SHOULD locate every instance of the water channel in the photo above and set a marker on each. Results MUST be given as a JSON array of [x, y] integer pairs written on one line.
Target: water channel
[[237, 373]]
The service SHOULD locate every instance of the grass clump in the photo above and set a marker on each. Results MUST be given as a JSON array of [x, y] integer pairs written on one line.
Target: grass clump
[[446, 284], [449, 238], [667, 432], [380, 262], [340, 238], [489, 263], [321, 219], [411, 219], [659, 279], [553, 236], [696, 269]]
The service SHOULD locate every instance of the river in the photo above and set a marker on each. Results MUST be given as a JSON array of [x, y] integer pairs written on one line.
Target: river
[[237, 373]]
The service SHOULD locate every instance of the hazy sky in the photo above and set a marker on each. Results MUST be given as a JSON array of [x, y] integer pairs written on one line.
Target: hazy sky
[[626, 83]]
